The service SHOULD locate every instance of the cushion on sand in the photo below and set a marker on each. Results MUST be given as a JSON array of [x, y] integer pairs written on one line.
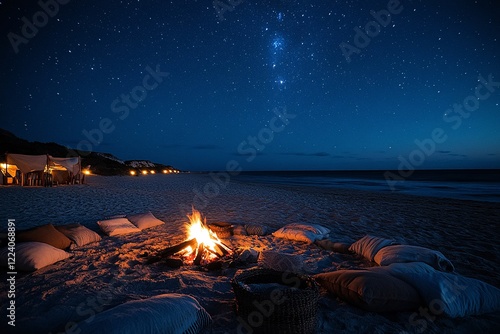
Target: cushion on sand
[[371, 291], [368, 246], [338, 247], [117, 226], [79, 234], [447, 293], [47, 234], [168, 313], [302, 232], [406, 253], [256, 229], [31, 256], [315, 228], [145, 220], [281, 261]]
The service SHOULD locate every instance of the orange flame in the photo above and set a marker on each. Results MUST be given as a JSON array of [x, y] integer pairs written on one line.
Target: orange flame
[[198, 230]]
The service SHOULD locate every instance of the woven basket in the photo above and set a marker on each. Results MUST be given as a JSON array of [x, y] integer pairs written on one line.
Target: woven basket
[[288, 306]]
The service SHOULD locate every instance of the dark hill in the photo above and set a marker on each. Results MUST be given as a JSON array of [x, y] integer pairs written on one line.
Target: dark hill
[[100, 163]]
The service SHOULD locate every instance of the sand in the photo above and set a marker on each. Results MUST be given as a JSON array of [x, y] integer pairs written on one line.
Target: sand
[[103, 275]]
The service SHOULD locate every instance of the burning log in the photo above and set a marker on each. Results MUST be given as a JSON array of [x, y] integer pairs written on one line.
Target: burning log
[[221, 249], [199, 255], [177, 248]]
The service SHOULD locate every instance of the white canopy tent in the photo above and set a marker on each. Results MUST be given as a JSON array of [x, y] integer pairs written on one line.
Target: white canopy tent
[[73, 165], [27, 163], [38, 170]]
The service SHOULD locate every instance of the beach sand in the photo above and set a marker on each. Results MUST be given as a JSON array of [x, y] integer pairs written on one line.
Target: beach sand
[[102, 275]]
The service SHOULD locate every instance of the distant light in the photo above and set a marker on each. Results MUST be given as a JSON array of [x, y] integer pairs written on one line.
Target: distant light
[[165, 171], [132, 172], [86, 172], [144, 172], [152, 172]]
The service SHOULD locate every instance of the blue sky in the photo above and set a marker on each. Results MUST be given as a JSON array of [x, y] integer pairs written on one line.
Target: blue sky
[[304, 85]]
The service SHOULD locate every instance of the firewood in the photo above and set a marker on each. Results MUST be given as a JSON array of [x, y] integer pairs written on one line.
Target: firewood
[[173, 263], [177, 248], [199, 255], [220, 249], [213, 252], [153, 259], [214, 265]]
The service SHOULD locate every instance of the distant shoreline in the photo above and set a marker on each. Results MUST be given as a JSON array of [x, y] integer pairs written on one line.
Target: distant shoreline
[[476, 185]]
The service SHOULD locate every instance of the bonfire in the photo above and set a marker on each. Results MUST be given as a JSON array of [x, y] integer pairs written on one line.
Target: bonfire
[[201, 247]]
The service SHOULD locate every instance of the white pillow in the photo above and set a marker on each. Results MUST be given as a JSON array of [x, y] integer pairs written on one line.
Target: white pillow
[[407, 253], [368, 246], [453, 295], [302, 232], [315, 228], [117, 226], [281, 261], [31, 256], [145, 220], [79, 234], [168, 313]]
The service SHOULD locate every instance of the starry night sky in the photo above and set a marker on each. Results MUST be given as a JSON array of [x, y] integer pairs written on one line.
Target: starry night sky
[[238, 72]]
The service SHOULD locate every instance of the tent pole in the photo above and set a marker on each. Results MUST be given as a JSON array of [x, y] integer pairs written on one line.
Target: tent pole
[[6, 178], [47, 175], [80, 170]]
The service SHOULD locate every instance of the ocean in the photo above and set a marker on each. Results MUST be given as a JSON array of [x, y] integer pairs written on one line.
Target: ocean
[[466, 184]]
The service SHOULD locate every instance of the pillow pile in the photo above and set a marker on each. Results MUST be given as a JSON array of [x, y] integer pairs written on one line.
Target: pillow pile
[[31, 256], [302, 232], [47, 234], [117, 226], [145, 220], [79, 234], [167, 313]]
